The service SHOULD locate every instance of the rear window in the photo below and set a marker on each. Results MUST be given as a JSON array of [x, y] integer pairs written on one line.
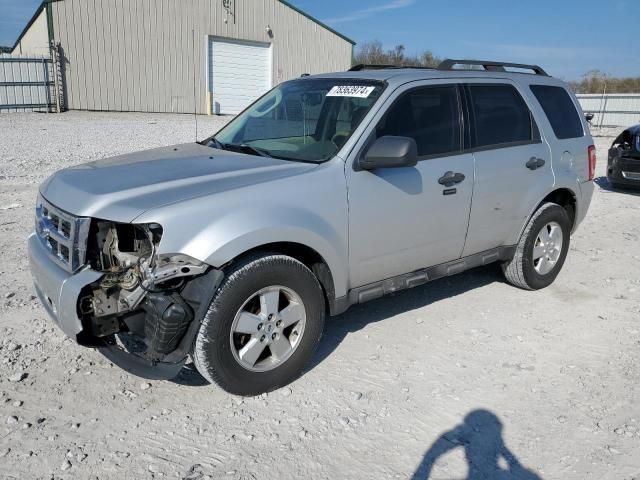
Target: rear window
[[501, 117], [560, 111]]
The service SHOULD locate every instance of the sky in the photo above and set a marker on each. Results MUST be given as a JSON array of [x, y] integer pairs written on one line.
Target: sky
[[566, 37]]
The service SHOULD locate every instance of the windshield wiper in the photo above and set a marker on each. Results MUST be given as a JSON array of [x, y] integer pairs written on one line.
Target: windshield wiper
[[250, 149], [244, 148]]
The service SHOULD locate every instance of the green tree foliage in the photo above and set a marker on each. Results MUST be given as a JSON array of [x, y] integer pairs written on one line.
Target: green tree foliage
[[5, 49], [595, 82], [373, 53]]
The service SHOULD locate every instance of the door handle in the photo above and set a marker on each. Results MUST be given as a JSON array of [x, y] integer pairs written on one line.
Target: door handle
[[535, 163], [451, 178]]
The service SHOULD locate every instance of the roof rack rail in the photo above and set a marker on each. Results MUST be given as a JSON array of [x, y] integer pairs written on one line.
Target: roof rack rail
[[364, 66], [491, 66]]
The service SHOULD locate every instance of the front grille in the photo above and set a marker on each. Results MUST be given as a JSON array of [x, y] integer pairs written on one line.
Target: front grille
[[64, 235]]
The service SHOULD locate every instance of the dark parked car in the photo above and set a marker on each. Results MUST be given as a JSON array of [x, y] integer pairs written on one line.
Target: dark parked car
[[623, 168]]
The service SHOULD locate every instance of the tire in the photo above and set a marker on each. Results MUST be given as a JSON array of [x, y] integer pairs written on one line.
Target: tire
[[245, 293], [526, 272]]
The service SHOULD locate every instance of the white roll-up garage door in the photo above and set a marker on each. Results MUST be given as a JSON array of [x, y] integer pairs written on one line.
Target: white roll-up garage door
[[239, 73]]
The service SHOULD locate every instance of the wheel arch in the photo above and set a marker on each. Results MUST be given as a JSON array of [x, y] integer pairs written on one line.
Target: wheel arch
[[563, 196], [305, 255]]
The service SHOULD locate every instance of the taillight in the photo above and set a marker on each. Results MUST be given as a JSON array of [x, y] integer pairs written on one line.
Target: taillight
[[592, 162]]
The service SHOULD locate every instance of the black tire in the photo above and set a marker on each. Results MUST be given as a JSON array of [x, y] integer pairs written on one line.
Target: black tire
[[212, 352], [520, 271]]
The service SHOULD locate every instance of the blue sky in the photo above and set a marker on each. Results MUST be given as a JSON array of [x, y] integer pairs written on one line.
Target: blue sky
[[567, 37]]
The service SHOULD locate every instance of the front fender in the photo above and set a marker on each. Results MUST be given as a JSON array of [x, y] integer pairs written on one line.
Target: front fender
[[310, 210], [231, 236]]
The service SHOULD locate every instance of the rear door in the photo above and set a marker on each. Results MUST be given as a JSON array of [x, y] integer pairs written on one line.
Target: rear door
[[512, 163]]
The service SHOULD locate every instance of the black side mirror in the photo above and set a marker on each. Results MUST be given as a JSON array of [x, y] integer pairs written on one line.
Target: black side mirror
[[390, 152]]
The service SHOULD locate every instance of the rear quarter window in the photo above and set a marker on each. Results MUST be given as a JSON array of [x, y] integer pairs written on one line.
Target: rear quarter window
[[560, 110]]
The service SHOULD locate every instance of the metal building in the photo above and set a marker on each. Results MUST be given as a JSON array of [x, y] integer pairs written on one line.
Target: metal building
[[211, 56]]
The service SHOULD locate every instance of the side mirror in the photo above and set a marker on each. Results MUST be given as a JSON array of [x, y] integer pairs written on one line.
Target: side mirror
[[589, 117], [390, 152]]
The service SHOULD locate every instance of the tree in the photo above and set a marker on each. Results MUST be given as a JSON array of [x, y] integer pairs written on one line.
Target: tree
[[373, 53], [595, 81]]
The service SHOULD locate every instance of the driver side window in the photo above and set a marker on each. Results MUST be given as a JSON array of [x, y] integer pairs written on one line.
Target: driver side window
[[429, 115]]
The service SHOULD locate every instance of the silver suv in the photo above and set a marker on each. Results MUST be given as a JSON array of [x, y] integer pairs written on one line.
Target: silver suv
[[329, 191]]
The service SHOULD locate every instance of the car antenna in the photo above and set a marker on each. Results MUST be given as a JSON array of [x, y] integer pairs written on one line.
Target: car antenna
[[195, 95]]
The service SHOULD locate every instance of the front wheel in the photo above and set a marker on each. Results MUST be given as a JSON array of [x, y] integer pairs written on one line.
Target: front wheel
[[262, 327], [542, 249]]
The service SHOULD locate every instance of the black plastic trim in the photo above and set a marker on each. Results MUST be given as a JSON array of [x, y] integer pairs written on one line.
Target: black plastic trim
[[420, 277], [198, 293]]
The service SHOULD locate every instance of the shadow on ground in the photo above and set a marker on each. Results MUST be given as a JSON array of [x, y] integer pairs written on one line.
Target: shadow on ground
[[359, 316], [605, 185], [356, 318], [487, 456]]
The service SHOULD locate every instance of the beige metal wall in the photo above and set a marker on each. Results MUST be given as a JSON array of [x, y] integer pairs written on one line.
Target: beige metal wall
[[36, 40], [137, 55]]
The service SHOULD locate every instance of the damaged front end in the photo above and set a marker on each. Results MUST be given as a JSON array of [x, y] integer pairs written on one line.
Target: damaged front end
[[144, 312]]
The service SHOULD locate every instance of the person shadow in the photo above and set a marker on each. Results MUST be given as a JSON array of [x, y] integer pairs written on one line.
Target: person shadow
[[487, 456]]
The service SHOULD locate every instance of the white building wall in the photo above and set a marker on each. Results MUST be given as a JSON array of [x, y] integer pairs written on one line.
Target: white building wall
[[138, 55], [35, 40]]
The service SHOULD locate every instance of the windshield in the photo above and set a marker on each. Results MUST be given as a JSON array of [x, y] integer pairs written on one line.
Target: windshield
[[305, 120]]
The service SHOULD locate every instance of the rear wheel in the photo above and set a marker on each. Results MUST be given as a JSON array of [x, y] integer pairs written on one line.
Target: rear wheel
[[262, 326], [542, 249]]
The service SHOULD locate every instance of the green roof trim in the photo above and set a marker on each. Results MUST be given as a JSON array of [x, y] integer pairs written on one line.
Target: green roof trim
[[313, 19], [29, 24], [41, 7]]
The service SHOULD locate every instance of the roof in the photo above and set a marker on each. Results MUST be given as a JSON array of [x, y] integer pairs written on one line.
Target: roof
[[284, 2], [313, 19]]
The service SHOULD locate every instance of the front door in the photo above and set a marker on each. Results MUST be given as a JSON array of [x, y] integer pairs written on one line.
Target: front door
[[405, 219]]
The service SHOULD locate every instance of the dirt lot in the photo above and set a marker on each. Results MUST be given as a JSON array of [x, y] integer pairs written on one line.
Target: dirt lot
[[436, 382]]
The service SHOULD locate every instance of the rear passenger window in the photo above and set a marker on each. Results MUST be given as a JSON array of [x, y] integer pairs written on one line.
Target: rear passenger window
[[430, 115], [500, 116], [560, 111]]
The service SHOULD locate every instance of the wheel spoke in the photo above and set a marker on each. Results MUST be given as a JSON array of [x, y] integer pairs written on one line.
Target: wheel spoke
[[543, 265], [556, 235], [251, 351], [538, 251], [280, 347], [269, 302], [291, 315], [248, 323], [544, 235]]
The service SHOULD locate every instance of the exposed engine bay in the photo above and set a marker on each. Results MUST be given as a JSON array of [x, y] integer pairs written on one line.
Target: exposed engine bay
[[141, 293]]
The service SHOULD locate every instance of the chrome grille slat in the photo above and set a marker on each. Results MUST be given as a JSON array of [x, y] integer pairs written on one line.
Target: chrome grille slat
[[64, 235]]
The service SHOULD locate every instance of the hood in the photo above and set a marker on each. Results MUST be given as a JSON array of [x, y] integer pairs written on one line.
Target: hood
[[124, 187]]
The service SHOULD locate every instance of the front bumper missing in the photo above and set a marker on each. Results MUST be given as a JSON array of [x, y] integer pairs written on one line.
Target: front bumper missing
[[198, 293], [59, 292]]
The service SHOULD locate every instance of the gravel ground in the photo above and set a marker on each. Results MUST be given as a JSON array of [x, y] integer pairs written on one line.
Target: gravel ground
[[436, 382]]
